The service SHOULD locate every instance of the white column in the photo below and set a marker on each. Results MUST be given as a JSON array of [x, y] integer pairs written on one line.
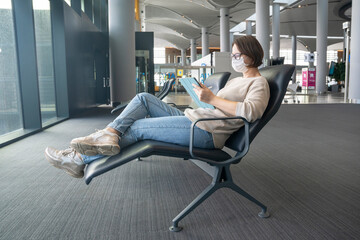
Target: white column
[[193, 49], [294, 46], [276, 30], [142, 17], [248, 28], [321, 44], [263, 26], [204, 41], [137, 26], [183, 57], [224, 30], [231, 40], [354, 80], [122, 46]]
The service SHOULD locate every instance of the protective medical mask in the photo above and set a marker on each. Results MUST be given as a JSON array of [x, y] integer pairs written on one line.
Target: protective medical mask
[[239, 65]]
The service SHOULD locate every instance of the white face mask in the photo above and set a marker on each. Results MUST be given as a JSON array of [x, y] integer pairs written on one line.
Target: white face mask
[[239, 65]]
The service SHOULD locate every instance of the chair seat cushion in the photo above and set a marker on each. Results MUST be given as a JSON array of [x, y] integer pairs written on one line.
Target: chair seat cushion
[[148, 148]]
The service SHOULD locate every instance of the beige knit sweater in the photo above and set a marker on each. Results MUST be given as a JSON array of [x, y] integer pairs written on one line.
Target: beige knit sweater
[[252, 95]]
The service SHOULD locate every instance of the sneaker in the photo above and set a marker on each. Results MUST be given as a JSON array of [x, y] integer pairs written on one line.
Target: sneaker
[[101, 142], [67, 160]]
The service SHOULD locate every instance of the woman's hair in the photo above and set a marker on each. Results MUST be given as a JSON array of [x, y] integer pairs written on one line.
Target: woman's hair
[[250, 46]]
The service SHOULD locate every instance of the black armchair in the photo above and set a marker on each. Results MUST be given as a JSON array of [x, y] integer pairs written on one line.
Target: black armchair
[[217, 81], [164, 91], [278, 78]]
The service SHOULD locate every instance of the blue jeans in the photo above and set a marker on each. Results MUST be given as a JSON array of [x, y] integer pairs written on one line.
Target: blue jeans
[[148, 118]]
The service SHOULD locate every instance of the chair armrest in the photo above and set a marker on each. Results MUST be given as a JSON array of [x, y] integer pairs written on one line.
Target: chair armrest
[[231, 160], [120, 107]]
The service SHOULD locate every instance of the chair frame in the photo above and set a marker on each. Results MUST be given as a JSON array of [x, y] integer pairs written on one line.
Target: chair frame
[[222, 177], [218, 159]]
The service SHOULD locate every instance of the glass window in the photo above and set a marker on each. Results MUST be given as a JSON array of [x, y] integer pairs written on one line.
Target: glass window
[[68, 2], [159, 56], [10, 102], [44, 55]]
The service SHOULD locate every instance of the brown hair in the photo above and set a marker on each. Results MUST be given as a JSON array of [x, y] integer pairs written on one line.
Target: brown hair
[[250, 46]]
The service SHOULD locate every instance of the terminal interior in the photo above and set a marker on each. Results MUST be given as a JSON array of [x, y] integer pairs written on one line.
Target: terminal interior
[[66, 64]]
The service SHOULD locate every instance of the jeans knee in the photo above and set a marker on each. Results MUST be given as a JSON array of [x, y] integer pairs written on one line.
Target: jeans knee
[[144, 95]]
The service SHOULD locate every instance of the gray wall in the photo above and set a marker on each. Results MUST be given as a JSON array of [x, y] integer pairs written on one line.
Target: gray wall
[[86, 46]]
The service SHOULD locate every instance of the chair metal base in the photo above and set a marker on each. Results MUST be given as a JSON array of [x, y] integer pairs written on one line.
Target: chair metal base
[[263, 214], [175, 229], [222, 178]]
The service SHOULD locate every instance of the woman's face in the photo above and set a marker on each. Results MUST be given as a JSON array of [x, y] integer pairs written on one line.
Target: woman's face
[[235, 50]]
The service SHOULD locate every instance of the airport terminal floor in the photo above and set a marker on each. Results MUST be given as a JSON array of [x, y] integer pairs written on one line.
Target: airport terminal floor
[[304, 165]]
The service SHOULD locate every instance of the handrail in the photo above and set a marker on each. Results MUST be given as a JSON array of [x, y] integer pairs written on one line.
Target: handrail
[[231, 160]]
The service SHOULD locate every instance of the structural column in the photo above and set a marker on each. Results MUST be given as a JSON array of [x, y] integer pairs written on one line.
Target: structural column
[[142, 17], [183, 57], [321, 44], [276, 30], [193, 49], [248, 28], [231, 40], [354, 80], [294, 46], [224, 30], [204, 41], [262, 27], [122, 51]]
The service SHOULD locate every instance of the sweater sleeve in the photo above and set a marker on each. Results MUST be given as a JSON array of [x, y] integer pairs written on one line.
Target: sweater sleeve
[[255, 102]]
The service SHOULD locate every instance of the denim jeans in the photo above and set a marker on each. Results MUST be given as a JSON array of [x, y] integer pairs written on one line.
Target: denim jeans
[[148, 118]]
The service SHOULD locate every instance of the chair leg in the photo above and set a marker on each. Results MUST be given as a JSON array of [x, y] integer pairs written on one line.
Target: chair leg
[[222, 178], [196, 202], [215, 185], [236, 188]]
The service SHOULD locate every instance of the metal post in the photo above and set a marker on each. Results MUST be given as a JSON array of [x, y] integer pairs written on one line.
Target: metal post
[[321, 45], [248, 28], [346, 27], [294, 47], [183, 57], [262, 27], [204, 41], [354, 81], [224, 30], [193, 49], [276, 30]]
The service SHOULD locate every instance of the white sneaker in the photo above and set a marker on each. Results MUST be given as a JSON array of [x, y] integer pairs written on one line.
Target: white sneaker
[[67, 160], [101, 142]]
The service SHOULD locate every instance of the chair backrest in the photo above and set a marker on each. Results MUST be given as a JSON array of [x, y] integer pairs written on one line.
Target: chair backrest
[[278, 78], [217, 81], [166, 88]]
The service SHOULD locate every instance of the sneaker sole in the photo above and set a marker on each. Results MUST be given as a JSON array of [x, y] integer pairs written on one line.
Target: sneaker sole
[[92, 150], [59, 166]]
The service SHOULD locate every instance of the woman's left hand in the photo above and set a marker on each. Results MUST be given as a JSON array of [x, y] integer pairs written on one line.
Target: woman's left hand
[[204, 93]]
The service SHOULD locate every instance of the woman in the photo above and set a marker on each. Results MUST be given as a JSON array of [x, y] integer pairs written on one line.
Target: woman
[[147, 117]]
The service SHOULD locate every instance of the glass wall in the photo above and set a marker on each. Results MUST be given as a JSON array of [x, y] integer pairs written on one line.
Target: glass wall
[[10, 102], [44, 54]]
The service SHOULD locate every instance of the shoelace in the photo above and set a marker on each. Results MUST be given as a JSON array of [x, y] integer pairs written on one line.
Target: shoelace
[[102, 130], [68, 151]]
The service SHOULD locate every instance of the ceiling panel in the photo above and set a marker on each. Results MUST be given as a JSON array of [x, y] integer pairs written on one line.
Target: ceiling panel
[[188, 16]]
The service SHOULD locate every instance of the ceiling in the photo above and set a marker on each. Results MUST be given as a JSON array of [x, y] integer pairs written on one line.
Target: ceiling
[[175, 22]]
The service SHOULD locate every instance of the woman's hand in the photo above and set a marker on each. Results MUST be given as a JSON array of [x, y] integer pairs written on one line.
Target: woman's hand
[[204, 93]]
